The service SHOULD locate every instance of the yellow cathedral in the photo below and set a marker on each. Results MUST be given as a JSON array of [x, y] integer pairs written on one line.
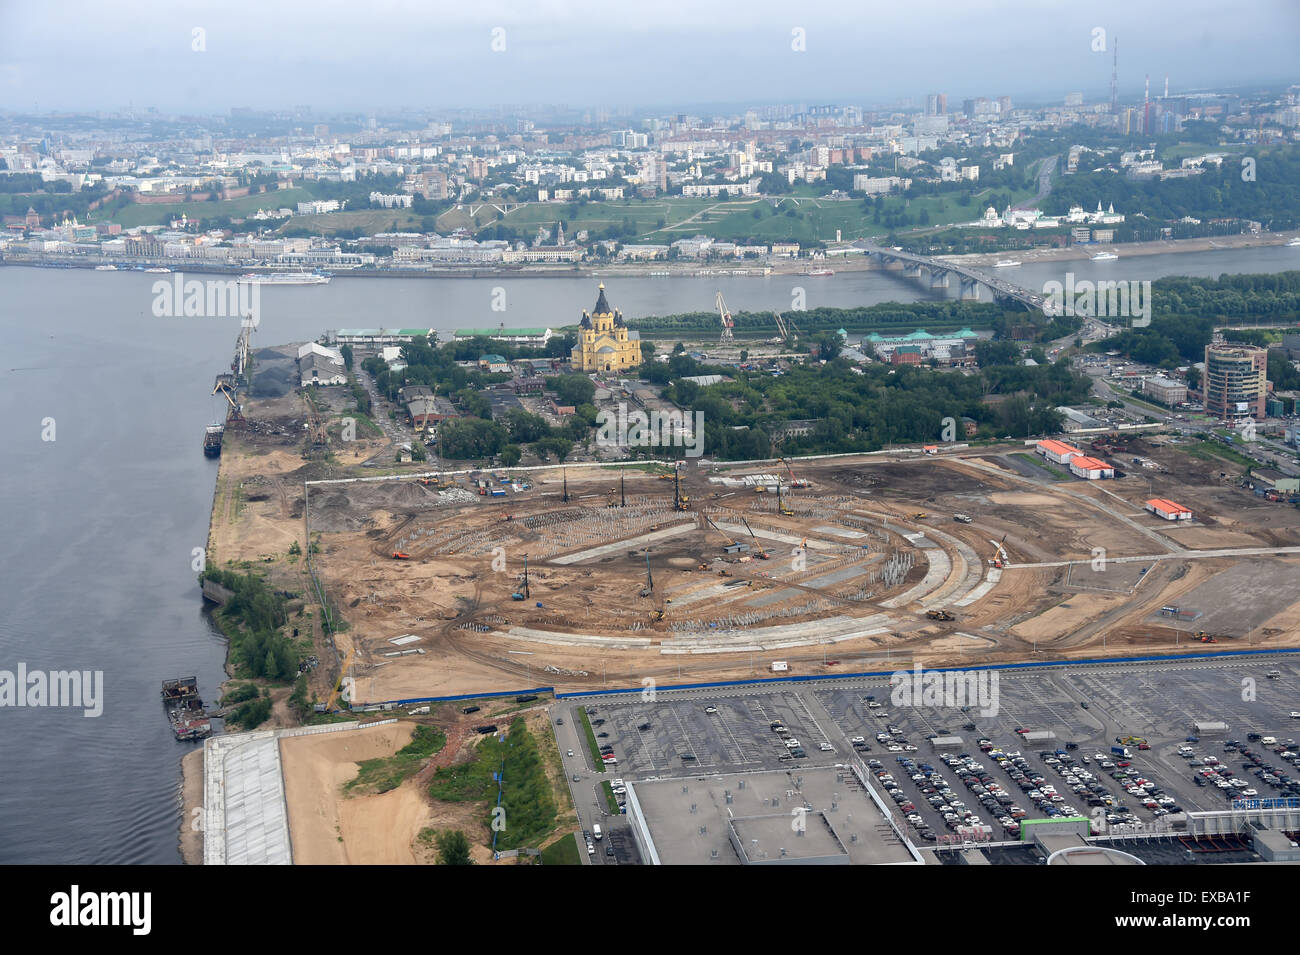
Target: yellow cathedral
[[604, 341]]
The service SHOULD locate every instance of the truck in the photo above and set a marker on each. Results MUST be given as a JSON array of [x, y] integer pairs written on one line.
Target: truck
[[780, 666], [1121, 751], [595, 832], [962, 518]]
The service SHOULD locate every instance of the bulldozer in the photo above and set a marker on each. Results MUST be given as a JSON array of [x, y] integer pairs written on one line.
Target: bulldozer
[[919, 516], [1204, 637], [940, 615]]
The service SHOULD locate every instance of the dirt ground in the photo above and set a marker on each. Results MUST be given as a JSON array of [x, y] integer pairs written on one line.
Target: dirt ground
[[587, 559]]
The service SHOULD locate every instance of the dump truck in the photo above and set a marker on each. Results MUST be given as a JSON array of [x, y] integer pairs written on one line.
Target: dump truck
[[940, 615]]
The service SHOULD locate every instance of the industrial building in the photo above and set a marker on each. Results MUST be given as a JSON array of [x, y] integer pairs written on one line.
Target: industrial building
[[1058, 452], [1169, 510], [810, 816], [535, 337], [1091, 469], [1235, 381], [1165, 390]]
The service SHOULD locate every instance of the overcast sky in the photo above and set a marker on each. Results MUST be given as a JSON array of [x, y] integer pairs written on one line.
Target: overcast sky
[[368, 54]]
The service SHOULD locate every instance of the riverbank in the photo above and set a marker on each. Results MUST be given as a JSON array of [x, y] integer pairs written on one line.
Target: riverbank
[[834, 263], [1127, 249]]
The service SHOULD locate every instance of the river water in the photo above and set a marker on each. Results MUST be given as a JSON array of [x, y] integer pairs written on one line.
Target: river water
[[98, 525]]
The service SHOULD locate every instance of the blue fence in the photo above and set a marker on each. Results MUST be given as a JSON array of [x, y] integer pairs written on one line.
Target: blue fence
[[1101, 661], [1104, 661]]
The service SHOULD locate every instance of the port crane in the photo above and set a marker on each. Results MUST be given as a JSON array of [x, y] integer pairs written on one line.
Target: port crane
[[727, 322], [787, 329], [236, 416]]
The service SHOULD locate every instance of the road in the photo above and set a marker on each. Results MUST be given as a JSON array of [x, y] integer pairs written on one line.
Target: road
[[584, 783]]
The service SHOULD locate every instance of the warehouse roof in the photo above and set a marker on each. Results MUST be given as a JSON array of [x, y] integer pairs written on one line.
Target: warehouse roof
[[1159, 503], [1059, 447], [1090, 464]]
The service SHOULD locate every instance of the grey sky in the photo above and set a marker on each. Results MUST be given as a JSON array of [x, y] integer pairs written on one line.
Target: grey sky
[[382, 53]]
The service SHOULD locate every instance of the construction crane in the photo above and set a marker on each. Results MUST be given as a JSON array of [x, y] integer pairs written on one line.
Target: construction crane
[[759, 552], [680, 501], [565, 477], [622, 495], [794, 481], [727, 323], [725, 535], [780, 503], [649, 588], [522, 596]]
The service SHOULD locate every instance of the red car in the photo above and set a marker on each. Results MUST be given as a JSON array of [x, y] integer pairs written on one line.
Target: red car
[[1124, 764]]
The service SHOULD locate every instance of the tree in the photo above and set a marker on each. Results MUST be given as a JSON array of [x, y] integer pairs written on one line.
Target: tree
[[453, 848], [510, 455]]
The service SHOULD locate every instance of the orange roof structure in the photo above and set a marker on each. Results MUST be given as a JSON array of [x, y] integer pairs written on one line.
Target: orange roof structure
[[1090, 464], [1169, 507], [1058, 447]]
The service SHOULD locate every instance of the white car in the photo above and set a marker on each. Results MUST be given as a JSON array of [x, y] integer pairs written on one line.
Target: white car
[[791, 743], [570, 753], [591, 850], [1295, 714], [710, 709], [858, 739], [826, 747], [873, 705]]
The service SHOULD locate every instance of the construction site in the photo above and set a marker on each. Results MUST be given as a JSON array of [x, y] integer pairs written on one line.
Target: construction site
[[592, 576]]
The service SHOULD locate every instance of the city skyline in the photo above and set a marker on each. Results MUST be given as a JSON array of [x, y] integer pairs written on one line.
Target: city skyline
[[207, 59]]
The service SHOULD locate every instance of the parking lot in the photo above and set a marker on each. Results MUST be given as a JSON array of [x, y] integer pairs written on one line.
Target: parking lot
[[995, 777]]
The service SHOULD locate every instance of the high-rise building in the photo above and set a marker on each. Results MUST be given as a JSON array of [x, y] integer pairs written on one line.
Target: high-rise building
[[1235, 382]]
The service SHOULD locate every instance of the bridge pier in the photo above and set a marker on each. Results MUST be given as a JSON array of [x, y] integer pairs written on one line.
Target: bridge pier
[[938, 280], [970, 290], [911, 270]]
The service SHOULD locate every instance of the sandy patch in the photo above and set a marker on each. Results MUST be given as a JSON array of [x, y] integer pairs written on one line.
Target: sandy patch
[[329, 828]]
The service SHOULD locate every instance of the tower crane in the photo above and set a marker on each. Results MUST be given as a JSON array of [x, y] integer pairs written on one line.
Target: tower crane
[[727, 323]]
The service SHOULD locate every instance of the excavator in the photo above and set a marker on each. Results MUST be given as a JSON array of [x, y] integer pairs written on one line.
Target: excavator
[[398, 555], [940, 615]]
